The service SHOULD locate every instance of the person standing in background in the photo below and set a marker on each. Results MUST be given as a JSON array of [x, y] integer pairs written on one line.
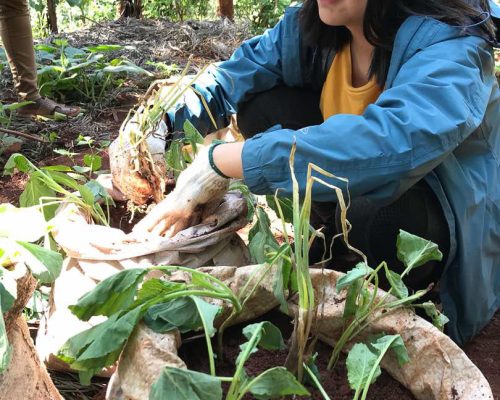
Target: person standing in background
[[15, 31]]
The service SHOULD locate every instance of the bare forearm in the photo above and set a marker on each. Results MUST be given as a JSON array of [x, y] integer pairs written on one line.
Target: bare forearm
[[227, 157]]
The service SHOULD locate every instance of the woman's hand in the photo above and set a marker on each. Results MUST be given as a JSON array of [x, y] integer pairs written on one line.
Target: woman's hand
[[196, 186]]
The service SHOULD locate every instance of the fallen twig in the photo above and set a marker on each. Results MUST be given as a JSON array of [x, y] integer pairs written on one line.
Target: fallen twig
[[24, 135]]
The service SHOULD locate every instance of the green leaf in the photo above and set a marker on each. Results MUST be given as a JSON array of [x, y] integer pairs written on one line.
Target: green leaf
[[5, 349], [397, 284], [128, 68], [156, 287], [275, 383], [183, 384], [351, 306], [286, 206], [35, 192], [104, 48], [207, 313], [414, 251], [394, 342], [192, 135], [87, 195], [174, 157], [261, 239], [360, 362], [439, 320], [99, 192], [93, 161], [19, 162], [249, 197], [113, 294], [8, 290], [270, 335], [44, 264], [101, 345], [182, 313], [282, 277], [358, 272]]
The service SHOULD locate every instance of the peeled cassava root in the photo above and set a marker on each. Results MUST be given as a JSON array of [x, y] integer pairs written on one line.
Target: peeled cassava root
[[438, 368]]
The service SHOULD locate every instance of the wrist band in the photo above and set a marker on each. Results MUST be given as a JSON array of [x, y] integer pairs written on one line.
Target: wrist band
[[211, 160]]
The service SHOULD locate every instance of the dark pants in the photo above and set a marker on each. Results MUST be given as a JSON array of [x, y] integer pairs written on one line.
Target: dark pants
[[374, 229]]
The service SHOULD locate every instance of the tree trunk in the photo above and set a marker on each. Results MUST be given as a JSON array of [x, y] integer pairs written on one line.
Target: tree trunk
[[52, 16], [129, 9], [225, 9]]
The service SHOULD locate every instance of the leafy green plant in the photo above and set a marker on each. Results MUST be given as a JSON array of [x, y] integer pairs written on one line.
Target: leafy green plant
[[362, 301], [363, 361], [164, 305], [18, 246], [273, 383], [49, 186], [262, 14], [89, 72]]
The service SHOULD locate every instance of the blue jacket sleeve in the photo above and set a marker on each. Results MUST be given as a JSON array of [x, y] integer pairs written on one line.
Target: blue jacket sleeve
[[438, 97], [255, 66]]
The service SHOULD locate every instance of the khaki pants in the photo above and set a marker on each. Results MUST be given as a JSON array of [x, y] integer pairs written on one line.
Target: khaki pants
[[15, 31]]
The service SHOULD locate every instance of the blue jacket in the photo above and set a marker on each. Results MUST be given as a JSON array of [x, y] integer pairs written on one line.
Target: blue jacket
[[438, 119]]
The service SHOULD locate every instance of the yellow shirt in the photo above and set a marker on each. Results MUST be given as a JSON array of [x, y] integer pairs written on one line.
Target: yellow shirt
[[338, 96]]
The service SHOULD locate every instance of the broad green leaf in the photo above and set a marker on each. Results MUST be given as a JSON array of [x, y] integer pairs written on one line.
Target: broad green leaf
[[360, 362], [192, 134], [99, 192], [358, 272], [183, 384], [270, 335], [156, 287], [93, 161], [286, 206], [5, 349], [267, 336], [399, 288], [44, 264], [261, 239], [19, 162], [182, 313], [207, 313], [111, 295], [87, 195], [275, 383], [383, 343], [13, 223], [64, 179], [414, 251], [174, 157], [101, 345], [8, 290], [127, 68], [439, 320], [36, 192], [60, 168]]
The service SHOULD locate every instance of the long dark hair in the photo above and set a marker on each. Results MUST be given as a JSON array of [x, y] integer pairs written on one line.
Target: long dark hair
[[383, 19]]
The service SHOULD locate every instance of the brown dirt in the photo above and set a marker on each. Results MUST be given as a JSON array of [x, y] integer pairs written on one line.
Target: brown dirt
[[484, 351]]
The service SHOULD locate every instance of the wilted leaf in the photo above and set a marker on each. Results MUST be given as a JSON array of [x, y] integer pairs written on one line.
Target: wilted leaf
[[260, 237], [394, 342], [358, 272], [413, 251], [183, 384], [399, 288], [439, 320]]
